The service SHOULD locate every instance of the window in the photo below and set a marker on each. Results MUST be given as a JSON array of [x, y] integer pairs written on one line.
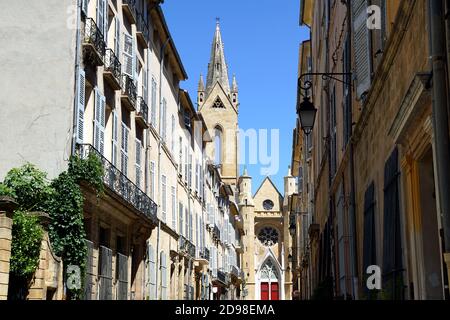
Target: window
[[124, 149], [369, 249], [341, 238], [115, 139], [392, 240], [81, 100], [187, 225], [102, 18], [117, 36], [128, 56], [152, 179], [172, 149], [180, 157], [174, 209], [163, 268], [333, 137], [153, 105], [218, 145], [163, 120], [268, 236], [99, 122], [268, 204], [218, 104], [151, 273], [164, 197], [138, 162], [180, 220], [347, 115]]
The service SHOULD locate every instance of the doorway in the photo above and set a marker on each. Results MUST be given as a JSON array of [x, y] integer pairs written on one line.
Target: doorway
[[270, 291]]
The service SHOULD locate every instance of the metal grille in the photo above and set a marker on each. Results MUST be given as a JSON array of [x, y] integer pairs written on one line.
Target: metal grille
[[122, 267], [105, 274], [89, 277]]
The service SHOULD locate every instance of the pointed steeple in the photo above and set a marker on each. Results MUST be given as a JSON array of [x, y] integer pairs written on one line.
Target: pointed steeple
[[234, 86], [217, 67], [201, 85]]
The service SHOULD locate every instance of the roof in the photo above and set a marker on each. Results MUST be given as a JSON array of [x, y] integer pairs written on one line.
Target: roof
[[306, 12], [273, 184]]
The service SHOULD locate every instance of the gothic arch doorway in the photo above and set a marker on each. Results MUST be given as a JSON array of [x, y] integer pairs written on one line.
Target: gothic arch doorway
[[269, 281]]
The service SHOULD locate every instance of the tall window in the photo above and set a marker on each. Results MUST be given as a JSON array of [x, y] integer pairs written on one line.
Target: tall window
[[174, 209], [173, 136], [163, 268], [152, 179], [218, 145], [153, 105], [151, 273], [164, 197], [163, 124]]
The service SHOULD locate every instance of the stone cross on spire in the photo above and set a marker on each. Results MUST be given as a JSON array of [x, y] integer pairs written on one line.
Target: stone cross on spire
[[217, 67]]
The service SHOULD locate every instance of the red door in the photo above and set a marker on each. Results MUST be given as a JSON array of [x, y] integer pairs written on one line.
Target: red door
[[264, 291], [274, 291]]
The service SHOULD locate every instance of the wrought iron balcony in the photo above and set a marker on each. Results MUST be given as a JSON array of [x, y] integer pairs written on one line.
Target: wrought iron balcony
[[222, 276], [235, 271], [142, 31], [186, 247], [142, 112], [129, 92], [238, 245], [204, 254], [216, 232], [129, 9], [113, 69], [93, 43], [117, 182]]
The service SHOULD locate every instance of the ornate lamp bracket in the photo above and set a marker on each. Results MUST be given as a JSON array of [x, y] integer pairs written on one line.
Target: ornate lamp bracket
[[306, 84]]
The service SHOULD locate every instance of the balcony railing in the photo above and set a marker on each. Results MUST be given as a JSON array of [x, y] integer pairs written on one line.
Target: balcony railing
[[222, 276], [204, 254], [93, 37], [216, 232], [129, 92], [235, 271], [129, 8], [142, 112], [116, 181], [113, 69], [142, 31], [186, 247]]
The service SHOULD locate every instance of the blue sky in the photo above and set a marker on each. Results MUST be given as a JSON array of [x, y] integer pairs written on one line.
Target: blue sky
[[261, 40]]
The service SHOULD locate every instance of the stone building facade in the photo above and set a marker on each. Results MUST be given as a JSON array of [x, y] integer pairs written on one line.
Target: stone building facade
[[167, 226], [373, 182]]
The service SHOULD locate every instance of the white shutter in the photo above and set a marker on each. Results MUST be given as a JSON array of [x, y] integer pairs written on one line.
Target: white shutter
[[361, 42], [117, 37], [164, 197], [152, 271], [138, 162], [115, 138], [124, 149], [153, 106], [152, 179], [99, 122], [84, 6], [80, 107], [174, 209], [102, 18], [145, 86], [128, 68]]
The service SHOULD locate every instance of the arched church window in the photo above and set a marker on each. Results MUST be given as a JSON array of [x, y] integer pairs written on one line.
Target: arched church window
[[268, 205], [268, 236], [218, 145], [268, 271]]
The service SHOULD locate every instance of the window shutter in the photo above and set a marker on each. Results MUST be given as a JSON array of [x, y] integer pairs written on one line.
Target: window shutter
[[144, 86], [153, 107], [124, 149], [99, 122], [152, 179], [101, 18], [115, 138], [138, 162], [164, 197], [186, 231], [84, 6], [152, 271], [361, 42], [369, 257], [128, 55], [174, 209], [117, 37], [80, 107], [190, 225], [180, 206]]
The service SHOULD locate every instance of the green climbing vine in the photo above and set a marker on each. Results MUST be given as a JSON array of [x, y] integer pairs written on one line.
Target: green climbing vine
[[63, 200]]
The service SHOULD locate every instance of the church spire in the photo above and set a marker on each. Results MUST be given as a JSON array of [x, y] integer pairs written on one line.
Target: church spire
[[201, 85], [217, 67]]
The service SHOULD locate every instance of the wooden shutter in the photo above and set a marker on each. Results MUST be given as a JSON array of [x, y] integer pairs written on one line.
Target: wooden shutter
[[152, 272], [115, 138], [174, 209], [145, 86], [361, 43], [180, 220], [153, 106], [164, 197], [128, 68], [84, 6], [80, 106], [369, 254], [99, 122], [392, 246]]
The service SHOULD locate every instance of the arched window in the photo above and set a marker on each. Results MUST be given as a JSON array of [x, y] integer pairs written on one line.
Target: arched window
[[218, 145]]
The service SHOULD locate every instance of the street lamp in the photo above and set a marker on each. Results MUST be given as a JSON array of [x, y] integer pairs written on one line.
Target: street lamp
[[305, 109], [290, 258], [292, 229], [307, 114]]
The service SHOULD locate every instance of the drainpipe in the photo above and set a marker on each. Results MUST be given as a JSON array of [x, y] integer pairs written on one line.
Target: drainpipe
[[77, 68], [440, 113], [161, 67], [352, 204]]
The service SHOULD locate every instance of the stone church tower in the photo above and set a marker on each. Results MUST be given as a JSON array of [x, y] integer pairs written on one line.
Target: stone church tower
[[218, 103], [266, 239]]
